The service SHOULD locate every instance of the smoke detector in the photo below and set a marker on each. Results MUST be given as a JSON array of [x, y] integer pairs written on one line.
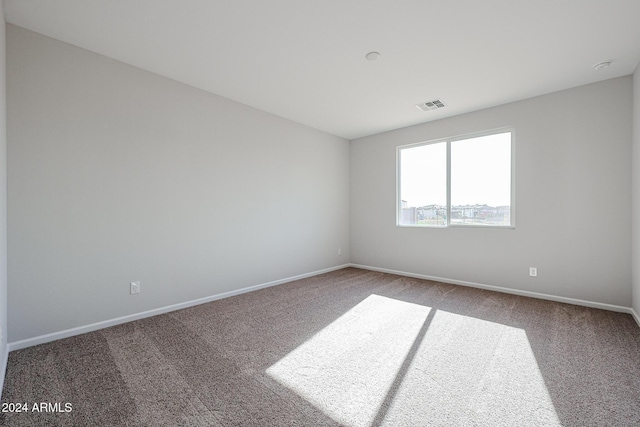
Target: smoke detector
[[372, 56], [431, 105], [602, 65]]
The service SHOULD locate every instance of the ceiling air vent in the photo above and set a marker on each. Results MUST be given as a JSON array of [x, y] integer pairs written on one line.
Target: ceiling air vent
[[431, 105]]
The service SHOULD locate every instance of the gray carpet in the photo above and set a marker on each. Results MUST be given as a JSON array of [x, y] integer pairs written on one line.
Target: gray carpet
[[351, 347]]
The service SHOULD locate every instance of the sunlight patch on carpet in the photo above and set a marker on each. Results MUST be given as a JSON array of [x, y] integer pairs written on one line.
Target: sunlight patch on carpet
[[397, 363]]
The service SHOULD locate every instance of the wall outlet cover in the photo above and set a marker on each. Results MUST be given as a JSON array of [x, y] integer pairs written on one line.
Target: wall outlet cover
[[135, 288]]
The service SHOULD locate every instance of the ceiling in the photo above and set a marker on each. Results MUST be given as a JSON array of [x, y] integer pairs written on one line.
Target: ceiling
[[305, 60]]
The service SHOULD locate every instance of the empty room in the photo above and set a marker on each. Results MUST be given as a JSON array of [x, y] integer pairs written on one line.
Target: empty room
[[332, 213]]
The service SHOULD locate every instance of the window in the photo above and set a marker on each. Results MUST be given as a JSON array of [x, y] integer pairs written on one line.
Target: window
[[457, 181]]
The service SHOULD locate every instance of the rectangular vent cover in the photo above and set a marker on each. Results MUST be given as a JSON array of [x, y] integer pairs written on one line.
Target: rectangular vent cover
[[431, 105]]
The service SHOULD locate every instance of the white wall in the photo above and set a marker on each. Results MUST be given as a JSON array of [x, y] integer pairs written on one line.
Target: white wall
[[3, 202], [636, 191], [117, 175], [573, 209]]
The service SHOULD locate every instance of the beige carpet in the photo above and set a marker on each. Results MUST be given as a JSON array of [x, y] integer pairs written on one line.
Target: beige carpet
[[351, 347]]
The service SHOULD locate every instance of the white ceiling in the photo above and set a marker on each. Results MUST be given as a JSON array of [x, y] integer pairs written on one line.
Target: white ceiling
[[305, 60]]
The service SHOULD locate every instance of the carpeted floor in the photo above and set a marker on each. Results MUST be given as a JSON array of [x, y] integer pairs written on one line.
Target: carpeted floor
[[351, 347]]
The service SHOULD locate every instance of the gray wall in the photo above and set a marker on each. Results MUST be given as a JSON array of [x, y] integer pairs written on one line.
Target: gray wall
[[3, 201], [636, 191], [573, 208], [116, 175]]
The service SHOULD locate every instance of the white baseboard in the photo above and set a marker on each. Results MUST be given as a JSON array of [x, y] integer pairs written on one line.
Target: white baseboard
[[573, 301], [3, 368], [635, 316], [30, 342]]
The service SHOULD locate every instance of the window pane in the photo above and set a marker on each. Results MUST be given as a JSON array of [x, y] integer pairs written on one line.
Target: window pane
[[481, 180], [423, 185]]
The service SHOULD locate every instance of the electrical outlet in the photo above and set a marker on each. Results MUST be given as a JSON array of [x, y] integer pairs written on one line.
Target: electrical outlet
[[135, 288], [340, 252], [533, 272]]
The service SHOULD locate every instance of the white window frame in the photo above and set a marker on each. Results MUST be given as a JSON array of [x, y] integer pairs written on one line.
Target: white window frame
[[448, 141]]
